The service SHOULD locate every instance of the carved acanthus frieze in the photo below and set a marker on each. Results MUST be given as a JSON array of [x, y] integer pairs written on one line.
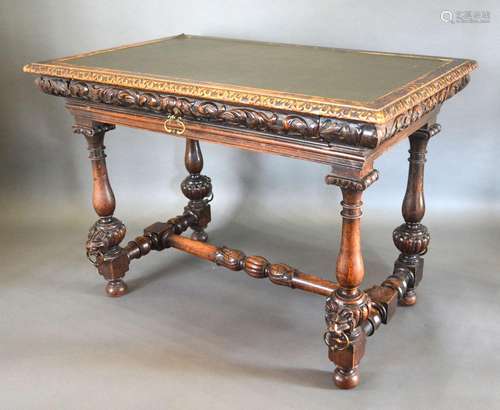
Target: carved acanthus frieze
[[212, 111], [311, 128], [327, 130], [351, 133]]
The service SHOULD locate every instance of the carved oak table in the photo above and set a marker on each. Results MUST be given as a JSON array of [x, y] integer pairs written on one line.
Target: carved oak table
[[343, 108]]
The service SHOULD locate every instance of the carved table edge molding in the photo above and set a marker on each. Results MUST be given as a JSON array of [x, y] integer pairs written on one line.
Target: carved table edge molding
[[414, 93], [328, 132]]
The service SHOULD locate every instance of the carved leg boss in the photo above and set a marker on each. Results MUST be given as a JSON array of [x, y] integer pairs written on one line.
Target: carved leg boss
[[198, 189]]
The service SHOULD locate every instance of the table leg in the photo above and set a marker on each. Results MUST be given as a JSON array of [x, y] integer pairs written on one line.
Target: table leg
[[348, 306], [412, 238], [105, 235], [198, 189]]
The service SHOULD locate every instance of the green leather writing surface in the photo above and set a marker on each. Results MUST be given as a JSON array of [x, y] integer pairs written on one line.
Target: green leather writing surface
[[314, 71]]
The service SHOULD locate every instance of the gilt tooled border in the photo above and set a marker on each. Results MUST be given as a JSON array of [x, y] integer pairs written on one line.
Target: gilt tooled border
[[309, 128], [406, 98]]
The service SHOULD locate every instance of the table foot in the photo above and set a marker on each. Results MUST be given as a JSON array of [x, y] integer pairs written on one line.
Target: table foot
[[116, 288], [346, 378], [409, 299]]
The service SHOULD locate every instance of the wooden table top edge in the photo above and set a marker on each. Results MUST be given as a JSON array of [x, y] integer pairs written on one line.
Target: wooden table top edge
[[269, 122], [380, 111]]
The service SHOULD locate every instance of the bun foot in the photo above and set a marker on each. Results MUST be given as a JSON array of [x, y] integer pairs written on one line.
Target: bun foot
[[200, 235], [409, 299], [346, 379], [116, 288]]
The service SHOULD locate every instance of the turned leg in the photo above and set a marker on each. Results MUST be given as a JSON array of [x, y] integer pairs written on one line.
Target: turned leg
[[412, 238], [198, 189], [348, 305], [105, 235]]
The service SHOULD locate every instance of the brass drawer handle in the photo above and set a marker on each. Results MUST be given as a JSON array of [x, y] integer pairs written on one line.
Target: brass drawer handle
[[174, 121]]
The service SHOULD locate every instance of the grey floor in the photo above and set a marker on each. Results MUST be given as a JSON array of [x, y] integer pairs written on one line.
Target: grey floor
[[191, 335]]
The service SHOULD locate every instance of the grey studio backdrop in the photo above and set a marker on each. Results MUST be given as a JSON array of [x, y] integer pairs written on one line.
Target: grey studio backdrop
[[278, 207]]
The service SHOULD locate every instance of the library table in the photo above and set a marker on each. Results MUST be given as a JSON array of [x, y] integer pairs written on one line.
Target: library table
[[342, 108]]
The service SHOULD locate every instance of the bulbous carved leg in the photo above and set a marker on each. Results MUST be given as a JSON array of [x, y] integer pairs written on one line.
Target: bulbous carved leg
[[198, 189], [412, 238], [106, 255], [105, 235], [348, 306]]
